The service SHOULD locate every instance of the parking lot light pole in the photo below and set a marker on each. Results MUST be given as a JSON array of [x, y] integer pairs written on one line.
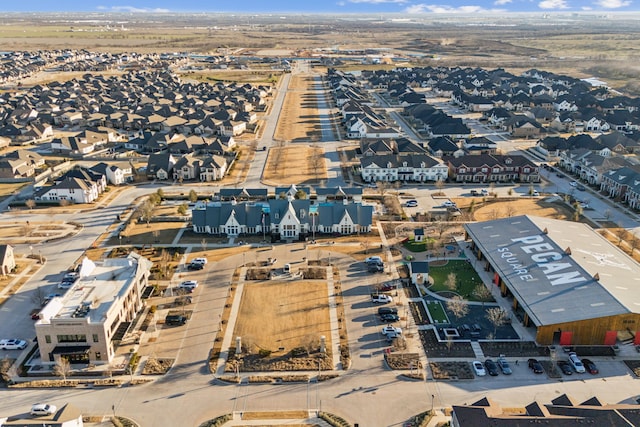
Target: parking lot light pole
[[433, 396]]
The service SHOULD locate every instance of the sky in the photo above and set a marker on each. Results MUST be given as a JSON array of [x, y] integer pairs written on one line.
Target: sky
[[323, 6]]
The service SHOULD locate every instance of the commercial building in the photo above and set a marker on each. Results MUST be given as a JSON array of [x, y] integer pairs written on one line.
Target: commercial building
[[563, 278], [83, 324]]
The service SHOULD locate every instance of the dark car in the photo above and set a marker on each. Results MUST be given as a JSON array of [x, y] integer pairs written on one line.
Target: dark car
[[590, 366], [387, 310], [491, 367], [565, 367], [535, 366], [195, 266], [175, 320], [389, 317]]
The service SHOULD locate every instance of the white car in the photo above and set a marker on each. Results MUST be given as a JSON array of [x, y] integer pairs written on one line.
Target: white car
[[573, 184], [478, 368], [381, 298], [189, 284], [40, 409], [576, 363], [390, 329], [411, 204], [449, 204], [534, 193], [199, 261], [373, 260], [13, 344]]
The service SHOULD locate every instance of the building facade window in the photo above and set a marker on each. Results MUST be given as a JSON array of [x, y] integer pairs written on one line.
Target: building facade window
[[95, 338], [47, 338], [72, 338]]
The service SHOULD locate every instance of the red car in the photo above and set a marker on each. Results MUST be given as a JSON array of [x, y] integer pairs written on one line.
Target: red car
[[388, 287]]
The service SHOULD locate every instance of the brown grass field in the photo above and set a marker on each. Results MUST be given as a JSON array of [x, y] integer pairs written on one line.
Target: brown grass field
[[298, 119], [519, 207], [281, 159], [289, 314]]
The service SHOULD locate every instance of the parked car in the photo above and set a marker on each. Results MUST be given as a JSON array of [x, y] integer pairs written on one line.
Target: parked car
[[491, 367], [199, 260], [535, 366], [580, 188], [504, 365], [195, 266], [535, 193], [389, 317], [478, 368], [12, 344], [390, 329], [392, 336], [565, 367], [387, 310], [375, 268], [373, 260], [411, 204], [576, 363], [65, 285], [573, 184], [484, 192], [175, 320], [189, 285], [42, 409], [386, 287], [474, 192], [381, 298], [449, 204], [589, 366]]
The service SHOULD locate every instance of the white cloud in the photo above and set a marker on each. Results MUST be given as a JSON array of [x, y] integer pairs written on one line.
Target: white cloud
[[132, 9], [553, 4], [433, 8], [612, 4], [378, 1], [501, 2]]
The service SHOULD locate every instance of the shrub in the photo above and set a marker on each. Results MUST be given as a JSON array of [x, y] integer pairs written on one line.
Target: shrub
[[263, 352]]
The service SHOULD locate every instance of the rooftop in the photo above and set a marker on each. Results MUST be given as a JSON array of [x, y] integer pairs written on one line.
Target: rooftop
[[559, 271], [91, 297]]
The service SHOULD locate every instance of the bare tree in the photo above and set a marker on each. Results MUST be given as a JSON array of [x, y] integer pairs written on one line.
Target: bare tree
[[30, 203], [156, 235], [633, 242], [62, 368], [382, 187], [497, 316], [494, 214], [620, 233], [439, 186], [482, 293], [365, 245], [316, 160], [203, 244], [163, 263], [510, 210], [458, 306], [146, 211], [451, 282], [38, 297]]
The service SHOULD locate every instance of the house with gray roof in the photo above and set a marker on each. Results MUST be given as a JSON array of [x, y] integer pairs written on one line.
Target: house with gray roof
[[282, 219]]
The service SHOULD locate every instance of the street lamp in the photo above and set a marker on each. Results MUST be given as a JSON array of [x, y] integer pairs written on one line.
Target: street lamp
[[433, 396], [313, 226]]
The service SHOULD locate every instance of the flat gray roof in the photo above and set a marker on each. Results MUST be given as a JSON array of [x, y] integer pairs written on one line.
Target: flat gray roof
[[559, 271]]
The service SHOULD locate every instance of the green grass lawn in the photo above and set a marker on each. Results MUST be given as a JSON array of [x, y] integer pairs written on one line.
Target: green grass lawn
[[467, 278], [414, 246], [437, 313]]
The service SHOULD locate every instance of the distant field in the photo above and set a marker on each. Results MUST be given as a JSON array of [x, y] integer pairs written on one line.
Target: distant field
[[579, 45]]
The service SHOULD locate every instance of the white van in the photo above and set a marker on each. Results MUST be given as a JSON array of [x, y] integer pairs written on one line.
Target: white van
[[287, 268]]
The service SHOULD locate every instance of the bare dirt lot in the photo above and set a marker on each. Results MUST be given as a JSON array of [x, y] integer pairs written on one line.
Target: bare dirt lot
[[290, 314], [299, 119], [525, 206], [295, 164]]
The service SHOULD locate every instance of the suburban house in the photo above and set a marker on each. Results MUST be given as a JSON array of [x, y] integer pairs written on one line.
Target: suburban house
[[71, 189], [7, 260], [87, 322], [242, 194], [284, 219], [390, 168], [113, 174], [492, 168], [160, 166], [20, 164], [72, 145], [213, 168], [339, 194]]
